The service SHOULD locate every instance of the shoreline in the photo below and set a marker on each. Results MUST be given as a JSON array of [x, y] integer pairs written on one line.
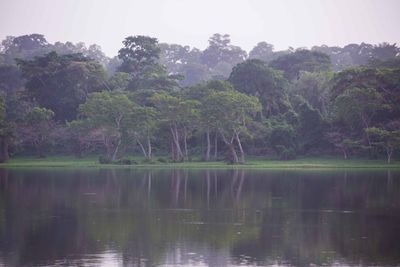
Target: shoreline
[[251, 163]]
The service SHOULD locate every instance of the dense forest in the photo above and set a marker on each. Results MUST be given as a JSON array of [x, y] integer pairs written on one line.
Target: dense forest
[[221, 103]]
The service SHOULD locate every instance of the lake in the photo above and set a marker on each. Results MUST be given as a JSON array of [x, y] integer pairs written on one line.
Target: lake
[[128, 217]]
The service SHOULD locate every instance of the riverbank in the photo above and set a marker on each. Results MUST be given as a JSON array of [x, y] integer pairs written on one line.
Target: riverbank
[[66, 161]]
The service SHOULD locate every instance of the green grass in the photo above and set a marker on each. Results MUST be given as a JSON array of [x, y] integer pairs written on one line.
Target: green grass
[[261, 163]]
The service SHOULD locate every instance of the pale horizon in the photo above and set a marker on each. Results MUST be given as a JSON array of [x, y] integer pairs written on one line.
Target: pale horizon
[[283, 23]]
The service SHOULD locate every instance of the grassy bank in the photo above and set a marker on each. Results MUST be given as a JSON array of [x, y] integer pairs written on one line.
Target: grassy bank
[[65, 161]]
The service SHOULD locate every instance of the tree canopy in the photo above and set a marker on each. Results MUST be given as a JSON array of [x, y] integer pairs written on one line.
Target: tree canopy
[[175, 101]]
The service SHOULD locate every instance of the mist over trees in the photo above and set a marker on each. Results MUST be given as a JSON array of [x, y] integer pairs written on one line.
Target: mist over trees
[[220, 103]]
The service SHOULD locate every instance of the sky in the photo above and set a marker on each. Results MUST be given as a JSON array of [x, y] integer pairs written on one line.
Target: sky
[[283, 23]]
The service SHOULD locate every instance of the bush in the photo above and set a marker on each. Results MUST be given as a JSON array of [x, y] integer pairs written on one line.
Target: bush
[[104, 160], [147, 161], [125, 162], [286, 153], [162, 160]]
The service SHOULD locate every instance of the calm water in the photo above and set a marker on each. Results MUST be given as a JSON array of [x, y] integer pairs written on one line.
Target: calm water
[[89, 217]]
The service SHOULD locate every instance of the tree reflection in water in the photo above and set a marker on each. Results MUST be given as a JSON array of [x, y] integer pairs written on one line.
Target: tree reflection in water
[[214, 217]]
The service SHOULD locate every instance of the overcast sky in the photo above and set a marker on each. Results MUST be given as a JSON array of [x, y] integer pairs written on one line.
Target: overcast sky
[[284, 23]]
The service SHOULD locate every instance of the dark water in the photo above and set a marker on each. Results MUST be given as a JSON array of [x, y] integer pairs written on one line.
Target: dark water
[[91, 217]]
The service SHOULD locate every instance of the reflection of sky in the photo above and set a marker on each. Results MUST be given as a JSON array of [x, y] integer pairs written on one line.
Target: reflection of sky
[[106, 217], [107, 258], [284, 23], [178, 256]]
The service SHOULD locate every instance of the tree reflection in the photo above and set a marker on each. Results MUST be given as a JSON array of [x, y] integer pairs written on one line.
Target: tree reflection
[[218, 217]]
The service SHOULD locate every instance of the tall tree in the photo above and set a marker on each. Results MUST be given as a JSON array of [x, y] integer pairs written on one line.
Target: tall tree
[[24, 47], [383, 81], [141, 126], [180, 115], [262, 51], [37, 129], [357, 108], [4, 131], [107, 113], [221, 52], [138, 52], [314, 87], [62, 82], [255, 78], [232, 111], [301, 60], [207, 125], [389, 141]]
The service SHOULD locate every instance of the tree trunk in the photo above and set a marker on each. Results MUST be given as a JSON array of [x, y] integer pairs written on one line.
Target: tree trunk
[[39, 149], [186, 157], [235, 158], [79, 149], [231, 147], [365, 122], [4, 156], [240, 148], [344, 153], [142, 148], [114, 155], [216, 145], [207, 155], [175, 137], [389, 152], [149, 148], [109, 148], [173, 152]]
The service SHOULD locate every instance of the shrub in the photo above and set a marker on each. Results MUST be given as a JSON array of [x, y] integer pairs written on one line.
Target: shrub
[[104, 160], [286, 153], [162, 160], [147, 161]]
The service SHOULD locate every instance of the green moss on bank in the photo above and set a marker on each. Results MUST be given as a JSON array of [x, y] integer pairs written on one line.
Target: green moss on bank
[[67, 161]]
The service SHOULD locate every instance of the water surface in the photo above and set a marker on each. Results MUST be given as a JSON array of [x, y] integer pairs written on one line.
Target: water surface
[[125, 217]]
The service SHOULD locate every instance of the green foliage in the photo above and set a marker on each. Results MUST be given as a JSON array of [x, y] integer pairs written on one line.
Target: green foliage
[[358, 106], [119, 81], [220, 51], [231, 110], [174, 109], [389, 141], [10, 78], [61, 82], [24, 47], [107, 113], [310, 130], [155, 77], [64, 100], [37, 129], [301, 60], [285, 153], [262, 51], [282, 138], [106, 109], [314, 88], [104, 160], [253, 77], [138, 52], [2, 109], [181, 116], [162, 160], [39, 115], [383, 80]]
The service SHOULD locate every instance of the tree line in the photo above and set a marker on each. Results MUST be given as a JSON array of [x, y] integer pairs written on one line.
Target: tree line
[[219, 103]]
